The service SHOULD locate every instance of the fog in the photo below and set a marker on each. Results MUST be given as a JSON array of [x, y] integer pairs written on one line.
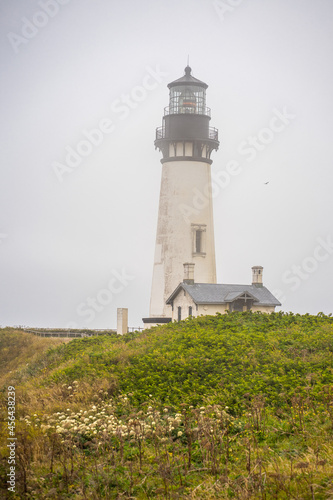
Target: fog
[[83, 88]]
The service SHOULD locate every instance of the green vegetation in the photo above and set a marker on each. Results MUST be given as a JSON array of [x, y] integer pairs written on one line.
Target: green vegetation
[[228, 406], [18, 348]]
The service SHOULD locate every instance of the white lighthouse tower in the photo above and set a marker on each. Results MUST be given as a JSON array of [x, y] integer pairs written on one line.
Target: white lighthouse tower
[[185, 229]]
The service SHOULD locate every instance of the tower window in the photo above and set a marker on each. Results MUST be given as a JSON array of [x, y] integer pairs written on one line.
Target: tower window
[[198, 241]]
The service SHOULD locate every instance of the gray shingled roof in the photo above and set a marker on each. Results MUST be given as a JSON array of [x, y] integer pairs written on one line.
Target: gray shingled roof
[[209, 293]]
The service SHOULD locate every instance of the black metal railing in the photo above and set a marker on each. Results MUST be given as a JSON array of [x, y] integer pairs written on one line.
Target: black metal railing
[[213, 134], [160, 133]]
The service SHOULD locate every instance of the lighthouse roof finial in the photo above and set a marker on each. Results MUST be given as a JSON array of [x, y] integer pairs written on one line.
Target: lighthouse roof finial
[[188, 70]]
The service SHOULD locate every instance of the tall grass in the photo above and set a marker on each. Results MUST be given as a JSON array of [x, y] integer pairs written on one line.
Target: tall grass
[[237, 406]]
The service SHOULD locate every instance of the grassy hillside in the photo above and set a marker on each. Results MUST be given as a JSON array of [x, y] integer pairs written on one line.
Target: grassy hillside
[[17, 348], [230, 406]]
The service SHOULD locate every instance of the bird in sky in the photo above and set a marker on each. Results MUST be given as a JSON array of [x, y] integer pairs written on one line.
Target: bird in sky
[[266, 182]]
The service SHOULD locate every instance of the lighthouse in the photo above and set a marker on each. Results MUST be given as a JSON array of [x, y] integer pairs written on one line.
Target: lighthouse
[[185, 228]]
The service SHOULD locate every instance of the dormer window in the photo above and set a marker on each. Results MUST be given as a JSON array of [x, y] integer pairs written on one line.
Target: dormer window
[[243, 302]]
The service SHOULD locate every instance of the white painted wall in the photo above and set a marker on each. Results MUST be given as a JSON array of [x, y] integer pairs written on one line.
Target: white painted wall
[[184, 300], [185, 199], [267, 309], [212, 309]]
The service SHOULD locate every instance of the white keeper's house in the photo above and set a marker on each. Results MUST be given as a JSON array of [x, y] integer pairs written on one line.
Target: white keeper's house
[[184, 273], [195, 299]]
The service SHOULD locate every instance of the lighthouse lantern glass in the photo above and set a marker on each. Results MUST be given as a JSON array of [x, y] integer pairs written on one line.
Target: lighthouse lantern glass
[[187, 99]]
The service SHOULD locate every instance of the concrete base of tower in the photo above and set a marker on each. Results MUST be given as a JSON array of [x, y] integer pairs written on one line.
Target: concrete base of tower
[[150, 322]]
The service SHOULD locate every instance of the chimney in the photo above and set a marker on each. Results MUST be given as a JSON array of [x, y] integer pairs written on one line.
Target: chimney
[[257, 272], [188, 273]]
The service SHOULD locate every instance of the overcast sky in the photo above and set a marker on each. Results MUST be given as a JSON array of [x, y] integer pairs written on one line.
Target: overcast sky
[[79, 206]]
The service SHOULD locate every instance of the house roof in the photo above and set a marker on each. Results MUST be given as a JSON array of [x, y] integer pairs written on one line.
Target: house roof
[[211, 293]]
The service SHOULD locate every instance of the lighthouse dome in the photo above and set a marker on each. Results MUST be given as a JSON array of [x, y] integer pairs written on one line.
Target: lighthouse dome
[[188, 79]]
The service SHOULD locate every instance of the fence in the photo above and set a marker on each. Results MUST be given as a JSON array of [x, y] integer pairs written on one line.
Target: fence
[[67, 333]]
